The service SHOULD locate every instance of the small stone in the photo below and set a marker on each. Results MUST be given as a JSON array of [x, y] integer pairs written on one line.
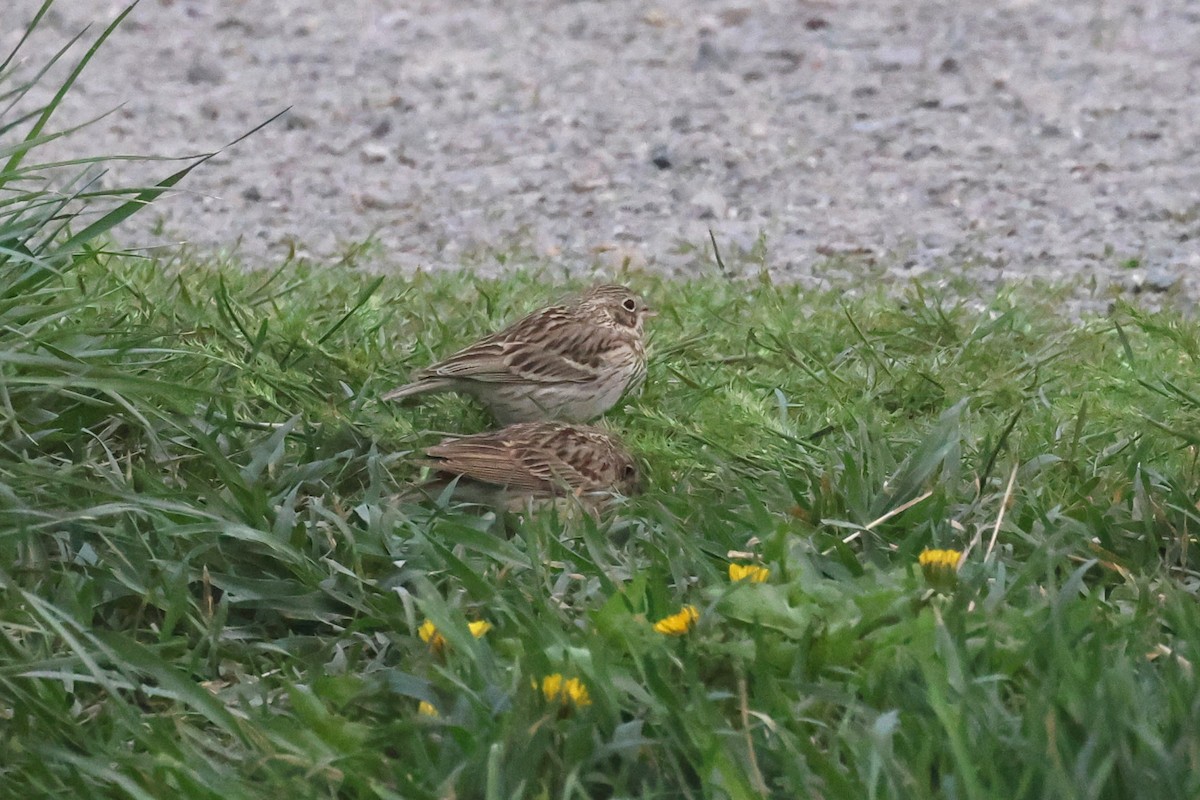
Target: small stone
[[660, 156], [375, 153], [252, 194], [381, 128], [920, 151], [870, 125], [786, 60], [891, 58], [373, 201], [656, 18], [1160, 279], [295, 121], [590, 176], [204, 72], [233, 23], [732, 17], [816, 23], [708, 57], [710, 204]]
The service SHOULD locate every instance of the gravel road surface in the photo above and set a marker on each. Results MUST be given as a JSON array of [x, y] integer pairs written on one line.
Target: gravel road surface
[[997, 139]]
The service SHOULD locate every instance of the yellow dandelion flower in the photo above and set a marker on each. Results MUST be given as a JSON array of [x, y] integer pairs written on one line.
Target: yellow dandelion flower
[[429, 633], [572, 691], [430, 636], [679, 623], [427, 710], [939, 559], [750, 572], [940, 568]]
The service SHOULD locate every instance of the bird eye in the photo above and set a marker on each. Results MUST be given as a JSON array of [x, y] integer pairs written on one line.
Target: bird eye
[[629, 305], [630, 471]]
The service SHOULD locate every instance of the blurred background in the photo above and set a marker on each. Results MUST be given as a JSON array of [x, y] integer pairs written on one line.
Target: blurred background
[[843, 141]]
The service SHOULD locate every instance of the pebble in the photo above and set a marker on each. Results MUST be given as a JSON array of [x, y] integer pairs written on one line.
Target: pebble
[[1160, 279], [709, 204], [892, 58], [381, 128], [732, 17], [371, 200], [660, 156], [294, 120], [589, 176], [204, 71], [708, 57], [375, 153]]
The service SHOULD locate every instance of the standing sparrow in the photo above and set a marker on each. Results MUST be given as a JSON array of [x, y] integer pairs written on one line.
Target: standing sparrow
[[571, 361], [534, 462]]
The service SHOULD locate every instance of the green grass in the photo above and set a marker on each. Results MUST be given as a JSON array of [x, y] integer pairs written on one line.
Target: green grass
[[207, 587]]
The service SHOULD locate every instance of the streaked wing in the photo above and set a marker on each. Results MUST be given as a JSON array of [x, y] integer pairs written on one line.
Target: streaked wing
[[535, 457], [482, 361], [575, 456], [550, 469], [557, 349], [492, 461]]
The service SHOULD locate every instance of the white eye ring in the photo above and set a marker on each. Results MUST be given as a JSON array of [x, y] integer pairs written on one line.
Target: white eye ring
[[629, 305]]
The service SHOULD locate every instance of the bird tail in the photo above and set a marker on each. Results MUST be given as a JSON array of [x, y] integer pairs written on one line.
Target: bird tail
[[417, 387]]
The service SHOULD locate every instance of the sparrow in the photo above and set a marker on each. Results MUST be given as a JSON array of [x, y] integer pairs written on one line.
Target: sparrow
[[534, 463], [572, 361]]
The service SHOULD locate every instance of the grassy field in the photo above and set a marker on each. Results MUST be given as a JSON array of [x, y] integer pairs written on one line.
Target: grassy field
[[209, 589]]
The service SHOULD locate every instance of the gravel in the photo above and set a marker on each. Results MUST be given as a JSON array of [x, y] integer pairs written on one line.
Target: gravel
[[999, 140]]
